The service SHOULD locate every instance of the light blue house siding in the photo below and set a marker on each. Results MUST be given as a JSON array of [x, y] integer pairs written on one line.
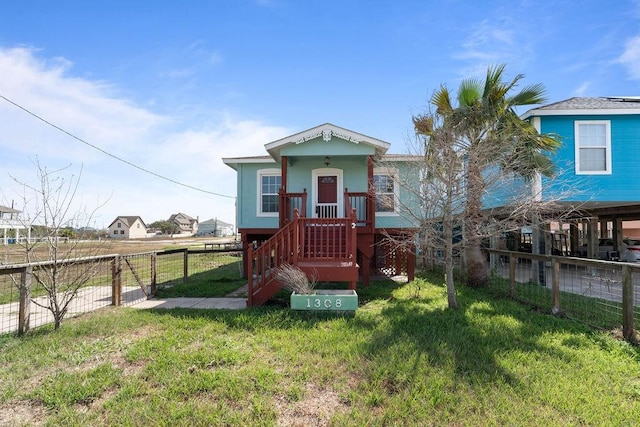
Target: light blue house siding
[[248, 196], [325, 150], [300, 177], [620, 184]]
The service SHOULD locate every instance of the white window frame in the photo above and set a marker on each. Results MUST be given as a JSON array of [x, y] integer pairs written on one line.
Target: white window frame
[[607, 146], [393, 173], [261, 173]]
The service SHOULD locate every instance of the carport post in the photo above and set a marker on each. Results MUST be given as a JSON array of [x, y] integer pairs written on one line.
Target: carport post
[[618, 237], [592, 238]]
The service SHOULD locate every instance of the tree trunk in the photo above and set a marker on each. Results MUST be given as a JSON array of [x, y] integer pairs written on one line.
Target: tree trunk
[[447, 224], [448, 259], [477, 268]]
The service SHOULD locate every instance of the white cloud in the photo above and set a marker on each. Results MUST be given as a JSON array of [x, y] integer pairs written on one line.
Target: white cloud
[[630, 58], [487, 43], [582, 89], [190, 153], [495, 41]]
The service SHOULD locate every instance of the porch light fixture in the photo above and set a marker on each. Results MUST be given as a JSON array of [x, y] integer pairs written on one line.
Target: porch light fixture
[[327, 160]]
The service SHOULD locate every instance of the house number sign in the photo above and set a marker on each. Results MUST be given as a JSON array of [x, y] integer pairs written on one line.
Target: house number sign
[[326, 300], [323, 303]]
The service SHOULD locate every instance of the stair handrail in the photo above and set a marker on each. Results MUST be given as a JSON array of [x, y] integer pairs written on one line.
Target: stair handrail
[[280, 248]]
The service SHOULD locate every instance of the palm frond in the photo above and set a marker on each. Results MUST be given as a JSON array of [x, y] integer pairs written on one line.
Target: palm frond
[[529, 95], [442, 101], [469, 93]]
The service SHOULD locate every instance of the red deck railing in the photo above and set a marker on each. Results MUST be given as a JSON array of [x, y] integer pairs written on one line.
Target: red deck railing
[[364, 205], [289, 203], [303, 240]]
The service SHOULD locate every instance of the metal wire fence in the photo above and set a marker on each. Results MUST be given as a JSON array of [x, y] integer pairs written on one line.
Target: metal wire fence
[[32, 295], [603, 294]]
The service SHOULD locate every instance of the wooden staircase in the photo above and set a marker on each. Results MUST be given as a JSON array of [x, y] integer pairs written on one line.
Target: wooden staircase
[[324, 248]]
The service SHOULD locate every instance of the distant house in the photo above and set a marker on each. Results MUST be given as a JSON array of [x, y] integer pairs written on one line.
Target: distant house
[[185, 223], [215, 227], [10, 220], [127, 227]]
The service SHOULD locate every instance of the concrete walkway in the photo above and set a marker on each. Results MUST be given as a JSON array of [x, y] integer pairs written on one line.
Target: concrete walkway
[[233, 301], [223, 303]]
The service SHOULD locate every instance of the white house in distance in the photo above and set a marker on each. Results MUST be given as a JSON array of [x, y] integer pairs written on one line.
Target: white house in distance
[[127, 227], [215, 227], [10, 220]]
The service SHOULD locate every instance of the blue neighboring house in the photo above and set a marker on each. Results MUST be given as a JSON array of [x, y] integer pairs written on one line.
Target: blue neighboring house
[[327, 200], [598, 163]]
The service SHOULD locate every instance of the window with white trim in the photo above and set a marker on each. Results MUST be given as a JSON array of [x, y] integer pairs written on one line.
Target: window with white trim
[[269, 183], [593, 147], [386, 188]]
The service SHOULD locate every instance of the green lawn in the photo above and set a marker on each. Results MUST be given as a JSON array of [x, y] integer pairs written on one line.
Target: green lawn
[[403, 359], [208, 277]]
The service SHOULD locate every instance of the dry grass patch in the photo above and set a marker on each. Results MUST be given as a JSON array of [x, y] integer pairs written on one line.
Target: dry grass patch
[[22, 413], [316, 408]]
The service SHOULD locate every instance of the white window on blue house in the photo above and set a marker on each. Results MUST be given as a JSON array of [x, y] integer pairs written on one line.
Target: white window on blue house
[[269, 183], [386, 187], [593, 147]]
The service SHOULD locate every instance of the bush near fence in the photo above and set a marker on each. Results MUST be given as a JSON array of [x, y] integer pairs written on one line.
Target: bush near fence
[[118, 280]]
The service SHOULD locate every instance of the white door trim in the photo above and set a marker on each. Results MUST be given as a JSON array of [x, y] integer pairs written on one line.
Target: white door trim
[[315, 173]]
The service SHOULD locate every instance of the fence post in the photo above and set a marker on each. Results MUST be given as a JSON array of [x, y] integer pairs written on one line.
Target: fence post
[[555, 286], [24, 311], [116, 281], [512, 274], [628, 331], [154, 274], [185, 277]]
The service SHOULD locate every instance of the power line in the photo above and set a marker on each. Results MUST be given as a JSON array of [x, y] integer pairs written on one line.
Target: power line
[[112, 155]]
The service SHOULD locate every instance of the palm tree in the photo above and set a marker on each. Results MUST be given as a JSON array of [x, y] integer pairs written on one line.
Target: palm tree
[[490, 134]]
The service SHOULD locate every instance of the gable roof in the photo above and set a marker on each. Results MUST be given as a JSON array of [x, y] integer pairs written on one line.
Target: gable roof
[[127, 220], [588, 106], [4, 209], [216, 222], [327, 131], [181, 215]]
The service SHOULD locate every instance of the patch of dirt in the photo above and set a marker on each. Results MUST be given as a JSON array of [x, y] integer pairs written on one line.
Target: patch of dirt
[[315, 409], [17, 413]]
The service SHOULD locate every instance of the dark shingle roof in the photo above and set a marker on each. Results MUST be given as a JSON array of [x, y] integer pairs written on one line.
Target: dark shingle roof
[[599, 103]]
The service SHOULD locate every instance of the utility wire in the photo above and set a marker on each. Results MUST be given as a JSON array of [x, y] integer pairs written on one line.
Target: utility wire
[[112, 155]]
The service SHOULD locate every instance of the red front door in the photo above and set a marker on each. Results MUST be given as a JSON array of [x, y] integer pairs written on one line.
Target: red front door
[[327, 196]]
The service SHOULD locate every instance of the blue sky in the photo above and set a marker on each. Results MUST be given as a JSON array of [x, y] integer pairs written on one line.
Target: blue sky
[[173, 87]]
